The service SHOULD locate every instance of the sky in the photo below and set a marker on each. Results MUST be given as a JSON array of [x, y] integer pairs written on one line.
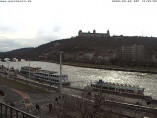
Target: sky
[[30, 24]]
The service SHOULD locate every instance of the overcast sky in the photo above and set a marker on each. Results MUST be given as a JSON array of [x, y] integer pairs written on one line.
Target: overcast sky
[[30, 24]]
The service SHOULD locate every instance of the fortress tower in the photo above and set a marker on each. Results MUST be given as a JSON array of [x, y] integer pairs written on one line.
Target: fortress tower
[[94, 31], [80, 33], [108, 33]]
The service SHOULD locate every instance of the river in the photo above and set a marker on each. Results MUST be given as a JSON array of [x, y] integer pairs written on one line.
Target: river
[[81, 77]]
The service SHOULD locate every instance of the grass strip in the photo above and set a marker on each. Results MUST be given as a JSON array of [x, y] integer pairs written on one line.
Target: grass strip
[[22, 86]]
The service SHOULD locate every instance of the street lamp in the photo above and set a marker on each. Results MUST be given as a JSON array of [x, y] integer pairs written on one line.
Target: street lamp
[[29, 69], [61, 74], [0, 61], [8, 69]]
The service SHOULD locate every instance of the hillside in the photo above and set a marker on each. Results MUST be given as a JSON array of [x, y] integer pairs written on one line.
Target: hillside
[[18, 53], [81, 44]]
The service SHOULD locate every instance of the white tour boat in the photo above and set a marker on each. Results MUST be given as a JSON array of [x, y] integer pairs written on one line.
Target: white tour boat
[[51, 77], [123, 88]]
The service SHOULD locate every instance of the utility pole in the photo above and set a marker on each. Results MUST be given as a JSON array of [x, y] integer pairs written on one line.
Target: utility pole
[[29, 69], [0, 64], [8, 69], [61, 74]]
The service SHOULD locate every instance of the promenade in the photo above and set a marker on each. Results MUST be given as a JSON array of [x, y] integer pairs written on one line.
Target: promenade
[[26, 101]]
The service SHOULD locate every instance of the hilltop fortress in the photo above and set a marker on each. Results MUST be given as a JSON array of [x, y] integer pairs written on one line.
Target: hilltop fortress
[[94, 34]]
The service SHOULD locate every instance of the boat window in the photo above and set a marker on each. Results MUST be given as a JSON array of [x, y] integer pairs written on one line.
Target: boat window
[[104, 87], [122, 90], [97, 86], [130, 91], [111, 88]]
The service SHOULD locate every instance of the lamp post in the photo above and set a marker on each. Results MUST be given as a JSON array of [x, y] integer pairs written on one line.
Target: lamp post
[[18, 66], [8, 69], [29, 69], [61, 74], [0, 63]]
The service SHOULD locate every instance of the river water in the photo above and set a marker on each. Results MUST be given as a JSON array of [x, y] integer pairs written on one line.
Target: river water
[[81, 77]]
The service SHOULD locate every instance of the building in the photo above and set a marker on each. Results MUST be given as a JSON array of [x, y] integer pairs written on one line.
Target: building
[[94, 34], [15, 60], [133, 53]]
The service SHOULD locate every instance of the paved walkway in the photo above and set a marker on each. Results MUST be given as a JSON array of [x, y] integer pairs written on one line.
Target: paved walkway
[[30, 108], [27, 101]]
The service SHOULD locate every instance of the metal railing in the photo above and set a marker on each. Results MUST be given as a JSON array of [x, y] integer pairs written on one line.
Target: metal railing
[[7, 111]]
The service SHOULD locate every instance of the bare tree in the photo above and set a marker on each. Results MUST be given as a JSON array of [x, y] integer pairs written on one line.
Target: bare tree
[[86, 105]]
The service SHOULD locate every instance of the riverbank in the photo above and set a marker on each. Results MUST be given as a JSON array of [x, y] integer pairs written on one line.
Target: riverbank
[[116, 68], [21, 86]]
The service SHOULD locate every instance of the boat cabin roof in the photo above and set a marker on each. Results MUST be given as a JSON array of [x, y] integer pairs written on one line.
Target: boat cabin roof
[[47, 72], [59, 74], [32, 68], [53, 73]]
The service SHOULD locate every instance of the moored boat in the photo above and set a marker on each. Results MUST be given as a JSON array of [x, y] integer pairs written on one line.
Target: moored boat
[[116, 87], [51, 77], [26, 70]]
